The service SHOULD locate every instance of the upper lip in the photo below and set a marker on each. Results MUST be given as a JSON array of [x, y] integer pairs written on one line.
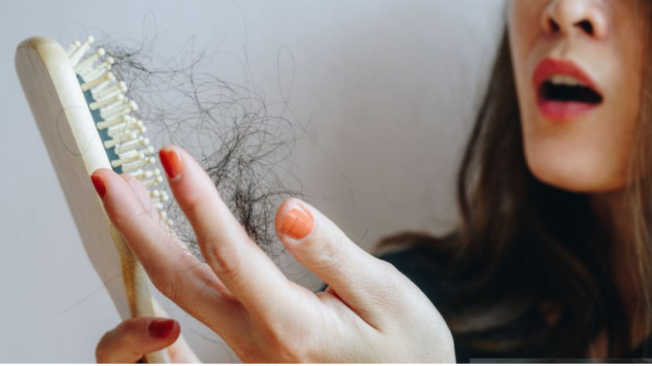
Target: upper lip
[[549, 67]]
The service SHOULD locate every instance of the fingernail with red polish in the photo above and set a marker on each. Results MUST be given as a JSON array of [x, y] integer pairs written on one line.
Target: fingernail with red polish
[[99, 185], [171, 163], [160, 328]]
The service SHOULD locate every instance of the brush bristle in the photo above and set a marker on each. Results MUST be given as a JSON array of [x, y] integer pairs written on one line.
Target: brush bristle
[[127, 148]]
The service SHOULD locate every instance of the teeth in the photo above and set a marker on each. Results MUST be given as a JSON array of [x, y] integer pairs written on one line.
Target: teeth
[[565, 80]]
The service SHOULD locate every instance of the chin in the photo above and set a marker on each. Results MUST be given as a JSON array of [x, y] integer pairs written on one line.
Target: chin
[[575, 174]]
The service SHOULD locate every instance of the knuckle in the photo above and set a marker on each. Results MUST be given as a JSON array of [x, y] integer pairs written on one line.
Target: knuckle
[[224, 259], [193, 201], [328, 253], [390, 282], [285, 339], [105, 347], [101, 351], [289, 343], [131, 181], [388, 268], [167, 285], [391, 277], [121, 221], [121, 343], [125, 221]]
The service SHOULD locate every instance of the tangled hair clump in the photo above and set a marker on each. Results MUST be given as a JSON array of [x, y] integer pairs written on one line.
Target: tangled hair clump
[[235, 135]]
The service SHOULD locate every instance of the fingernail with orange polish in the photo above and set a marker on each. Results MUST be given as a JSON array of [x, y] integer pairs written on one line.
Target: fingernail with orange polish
[[297, 223], [171, 163], [98, 183]]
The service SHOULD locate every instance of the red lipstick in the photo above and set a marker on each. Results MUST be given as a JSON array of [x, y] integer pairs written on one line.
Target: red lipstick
[[564, 102]]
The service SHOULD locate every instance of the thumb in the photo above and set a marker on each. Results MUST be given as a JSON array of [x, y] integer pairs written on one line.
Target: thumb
[[136, 337], [316, 242]]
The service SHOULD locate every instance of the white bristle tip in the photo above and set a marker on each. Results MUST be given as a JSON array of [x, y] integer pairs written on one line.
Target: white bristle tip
[[104, 102], [152, 182]]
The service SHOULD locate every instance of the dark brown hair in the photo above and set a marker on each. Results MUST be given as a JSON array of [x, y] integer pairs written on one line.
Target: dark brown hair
[[524, 249]]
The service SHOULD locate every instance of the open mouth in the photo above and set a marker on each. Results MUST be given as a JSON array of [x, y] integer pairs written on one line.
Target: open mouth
[[564, 90]]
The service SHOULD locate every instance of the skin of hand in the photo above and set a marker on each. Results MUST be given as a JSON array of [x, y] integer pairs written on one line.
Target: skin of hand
[[369, 313], [133, 338]]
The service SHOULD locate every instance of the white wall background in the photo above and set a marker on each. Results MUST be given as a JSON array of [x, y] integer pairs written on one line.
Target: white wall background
[[390, 87]]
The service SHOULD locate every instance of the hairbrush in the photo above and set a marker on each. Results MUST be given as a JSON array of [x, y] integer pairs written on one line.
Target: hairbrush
[[87, 122]]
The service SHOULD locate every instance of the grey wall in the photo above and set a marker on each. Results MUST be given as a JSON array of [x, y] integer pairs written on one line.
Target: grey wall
[[389, 88]]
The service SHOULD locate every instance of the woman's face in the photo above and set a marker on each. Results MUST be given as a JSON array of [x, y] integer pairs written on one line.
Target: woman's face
[[578, 67]]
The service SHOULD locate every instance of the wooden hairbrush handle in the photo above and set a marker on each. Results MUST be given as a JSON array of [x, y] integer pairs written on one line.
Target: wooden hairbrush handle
[[137, 287], [76, 150]]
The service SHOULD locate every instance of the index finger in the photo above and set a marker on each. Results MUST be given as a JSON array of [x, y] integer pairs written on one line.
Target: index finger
[[173, 269], [241, 265]]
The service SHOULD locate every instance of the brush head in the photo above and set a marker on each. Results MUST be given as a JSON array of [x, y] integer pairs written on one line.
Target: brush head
[[121, 132]]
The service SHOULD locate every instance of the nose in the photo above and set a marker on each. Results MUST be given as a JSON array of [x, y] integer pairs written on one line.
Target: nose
[[575, 17]]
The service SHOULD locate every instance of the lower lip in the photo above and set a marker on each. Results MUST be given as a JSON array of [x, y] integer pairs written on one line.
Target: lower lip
[[564, 111]]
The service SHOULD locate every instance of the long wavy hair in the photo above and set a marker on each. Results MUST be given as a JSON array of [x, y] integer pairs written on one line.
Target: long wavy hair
[[525, 247]]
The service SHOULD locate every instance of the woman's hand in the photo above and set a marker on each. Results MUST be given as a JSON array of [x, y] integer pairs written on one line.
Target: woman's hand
[[136, 337], [130, 341], [369, 313]]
